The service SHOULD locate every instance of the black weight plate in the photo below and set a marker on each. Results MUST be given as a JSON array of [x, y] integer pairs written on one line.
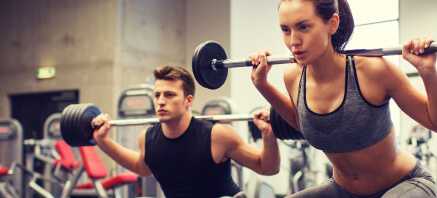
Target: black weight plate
[[70, 137], [273, 123], [272, 120], [290, 132], [65, 128], [298, 134], [285, 128], [88, 114], [79, 134], [282, 127], [294, 134], [194, 65], [75, 137], [279, 126], [69, 134], [72, 125], [201, 63], [62, 122]]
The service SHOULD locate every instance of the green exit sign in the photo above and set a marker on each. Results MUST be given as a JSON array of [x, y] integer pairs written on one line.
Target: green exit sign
[[45, 72]]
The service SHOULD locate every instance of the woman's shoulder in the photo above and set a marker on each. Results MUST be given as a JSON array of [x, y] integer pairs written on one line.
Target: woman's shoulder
[[374, 66], [381, 73], [292, 71]]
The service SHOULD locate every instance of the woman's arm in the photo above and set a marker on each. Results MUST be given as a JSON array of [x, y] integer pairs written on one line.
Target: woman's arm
[[282, 103]]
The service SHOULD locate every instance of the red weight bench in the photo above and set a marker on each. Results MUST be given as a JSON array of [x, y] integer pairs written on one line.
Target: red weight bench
[[67, 162], [96, 171], [3, 171], [63, 165], [6, 188]]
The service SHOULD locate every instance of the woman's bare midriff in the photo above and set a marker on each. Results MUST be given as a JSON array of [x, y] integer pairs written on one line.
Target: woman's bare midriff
[[373, 169]]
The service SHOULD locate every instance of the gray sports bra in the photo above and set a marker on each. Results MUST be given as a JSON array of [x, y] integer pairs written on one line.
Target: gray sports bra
[[354, 125]]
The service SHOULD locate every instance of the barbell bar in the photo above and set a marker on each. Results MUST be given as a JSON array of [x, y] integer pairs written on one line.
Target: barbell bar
[[77, 128], [210, 63], [213, 118]]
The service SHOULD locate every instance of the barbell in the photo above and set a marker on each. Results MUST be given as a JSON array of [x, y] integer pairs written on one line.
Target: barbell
[[77, 128], [210, 64]]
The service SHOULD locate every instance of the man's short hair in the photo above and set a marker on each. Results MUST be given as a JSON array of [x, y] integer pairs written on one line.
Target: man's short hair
[[175, 73]]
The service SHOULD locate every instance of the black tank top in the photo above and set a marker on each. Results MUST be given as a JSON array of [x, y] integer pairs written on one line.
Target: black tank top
[[184, 166]]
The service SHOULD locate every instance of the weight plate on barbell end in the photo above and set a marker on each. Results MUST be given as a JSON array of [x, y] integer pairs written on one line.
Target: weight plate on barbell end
[[284, 127], [203, 56], [279, 127], [287, 134], [71, 125], [75, 137], [194, 65], [69, 131], [294, 134], [65, 127], [87, 115], [72, 128], [62, 122], [273, 123], [82, 136]]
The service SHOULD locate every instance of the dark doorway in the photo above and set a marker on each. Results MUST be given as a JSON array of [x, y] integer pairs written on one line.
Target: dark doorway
[[32, 110]]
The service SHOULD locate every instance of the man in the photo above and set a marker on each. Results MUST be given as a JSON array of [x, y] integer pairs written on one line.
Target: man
[[187, 156]]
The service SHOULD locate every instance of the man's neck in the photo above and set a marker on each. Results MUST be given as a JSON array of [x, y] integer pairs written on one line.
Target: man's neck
[[174, 129]]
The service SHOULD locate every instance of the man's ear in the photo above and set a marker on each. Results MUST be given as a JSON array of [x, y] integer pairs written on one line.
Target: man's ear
[[189, 100], [334, 22]]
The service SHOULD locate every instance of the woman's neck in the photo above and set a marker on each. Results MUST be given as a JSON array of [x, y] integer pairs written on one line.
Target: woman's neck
[[329, 65]]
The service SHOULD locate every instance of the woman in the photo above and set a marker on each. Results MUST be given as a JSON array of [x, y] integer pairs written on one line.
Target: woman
[[341, 103]]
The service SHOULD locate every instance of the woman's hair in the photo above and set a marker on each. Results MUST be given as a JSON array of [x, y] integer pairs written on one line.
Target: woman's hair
[[325, 9], [175, 73]]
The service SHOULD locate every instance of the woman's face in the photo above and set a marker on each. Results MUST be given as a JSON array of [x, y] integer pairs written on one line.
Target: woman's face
[[304, 33]]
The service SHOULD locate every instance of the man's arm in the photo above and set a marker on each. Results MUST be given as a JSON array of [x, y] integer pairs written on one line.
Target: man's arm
[[129, 159], [227, 143]]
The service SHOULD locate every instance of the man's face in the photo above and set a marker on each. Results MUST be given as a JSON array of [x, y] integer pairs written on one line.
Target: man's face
[[170, 101]]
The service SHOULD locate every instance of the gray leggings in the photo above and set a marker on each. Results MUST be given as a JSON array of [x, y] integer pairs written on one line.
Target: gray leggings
[[418, 183]]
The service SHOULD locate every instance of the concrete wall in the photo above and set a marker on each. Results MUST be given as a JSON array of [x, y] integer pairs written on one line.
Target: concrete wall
[[207, 20], [149, 34], [65, 34], [98, 47]]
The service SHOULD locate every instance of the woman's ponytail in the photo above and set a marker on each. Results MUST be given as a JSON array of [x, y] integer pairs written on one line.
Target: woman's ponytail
[[345, 28]]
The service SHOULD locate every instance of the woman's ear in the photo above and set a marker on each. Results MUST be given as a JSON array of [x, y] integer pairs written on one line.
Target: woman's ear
[[334, 22]]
